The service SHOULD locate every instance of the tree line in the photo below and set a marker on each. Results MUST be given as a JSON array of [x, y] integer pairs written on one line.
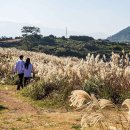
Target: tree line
[[78, 46]]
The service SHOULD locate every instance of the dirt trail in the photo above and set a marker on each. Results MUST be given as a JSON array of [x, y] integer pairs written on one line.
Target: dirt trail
[[17, 114], [15, 104]]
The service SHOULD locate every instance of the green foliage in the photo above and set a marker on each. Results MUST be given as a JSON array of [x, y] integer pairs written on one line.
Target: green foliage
[[49, 39], [97, 87], [81, 38], [31, 37], [30, 41], [4, 38], [76, 127], [69, 47], [78, 46], [35, 90], [11, 80], [51, 94], [103, 90], [29, 30]]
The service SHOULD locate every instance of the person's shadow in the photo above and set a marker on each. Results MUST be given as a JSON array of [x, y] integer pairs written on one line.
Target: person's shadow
[[2, 107]]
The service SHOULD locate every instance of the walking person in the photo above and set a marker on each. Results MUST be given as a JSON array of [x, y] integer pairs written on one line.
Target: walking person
[[28, 70], [19, 68]]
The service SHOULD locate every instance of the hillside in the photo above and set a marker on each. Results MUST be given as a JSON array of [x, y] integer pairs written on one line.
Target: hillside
[[122, 36], [77, 46], [55, 79]]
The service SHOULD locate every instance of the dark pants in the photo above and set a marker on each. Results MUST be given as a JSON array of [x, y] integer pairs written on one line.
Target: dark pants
[[26, 80], [20, 84]]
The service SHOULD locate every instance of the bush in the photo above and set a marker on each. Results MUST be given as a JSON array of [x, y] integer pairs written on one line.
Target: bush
[[103, 90], [81, 38], [35, 90], [51, 94], [97, 87], [11, 80]]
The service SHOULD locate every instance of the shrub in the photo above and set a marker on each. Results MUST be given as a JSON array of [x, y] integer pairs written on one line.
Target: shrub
[[51, 94], [11, 80], [103, 90], [35, 90]]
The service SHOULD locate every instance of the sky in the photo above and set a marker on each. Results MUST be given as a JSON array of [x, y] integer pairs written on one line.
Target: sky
[[98, 18]]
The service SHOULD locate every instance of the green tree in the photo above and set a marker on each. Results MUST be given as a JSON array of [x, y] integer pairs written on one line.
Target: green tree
[[29, 30], [31, 36]]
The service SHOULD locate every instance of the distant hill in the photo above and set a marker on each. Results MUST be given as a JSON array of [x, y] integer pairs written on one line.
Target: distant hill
[[122, 36], [77, 46]]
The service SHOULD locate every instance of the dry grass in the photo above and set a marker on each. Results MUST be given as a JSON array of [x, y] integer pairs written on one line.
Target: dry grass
[[96, 115], [114, 74], [18, 114], [78, 71]]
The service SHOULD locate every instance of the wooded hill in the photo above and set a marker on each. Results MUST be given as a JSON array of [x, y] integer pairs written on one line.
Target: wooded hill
[[78, 46]]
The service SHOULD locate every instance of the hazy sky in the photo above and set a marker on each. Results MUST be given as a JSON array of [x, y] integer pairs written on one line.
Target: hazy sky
[[96, 17]]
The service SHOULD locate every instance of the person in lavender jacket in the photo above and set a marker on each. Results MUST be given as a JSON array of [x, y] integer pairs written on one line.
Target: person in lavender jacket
[[28, 70], [19, 68]]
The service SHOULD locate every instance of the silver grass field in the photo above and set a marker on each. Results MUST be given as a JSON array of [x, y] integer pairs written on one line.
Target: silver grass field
[[114, 74]]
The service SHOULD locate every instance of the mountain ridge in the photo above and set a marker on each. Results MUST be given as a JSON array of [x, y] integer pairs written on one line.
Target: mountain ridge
[[121, 36]]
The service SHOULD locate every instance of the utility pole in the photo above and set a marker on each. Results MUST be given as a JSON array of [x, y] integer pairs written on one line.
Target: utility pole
[[66, 33]]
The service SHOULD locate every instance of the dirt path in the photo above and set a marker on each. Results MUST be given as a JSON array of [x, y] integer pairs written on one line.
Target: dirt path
[[15, 104], [17, 114]]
